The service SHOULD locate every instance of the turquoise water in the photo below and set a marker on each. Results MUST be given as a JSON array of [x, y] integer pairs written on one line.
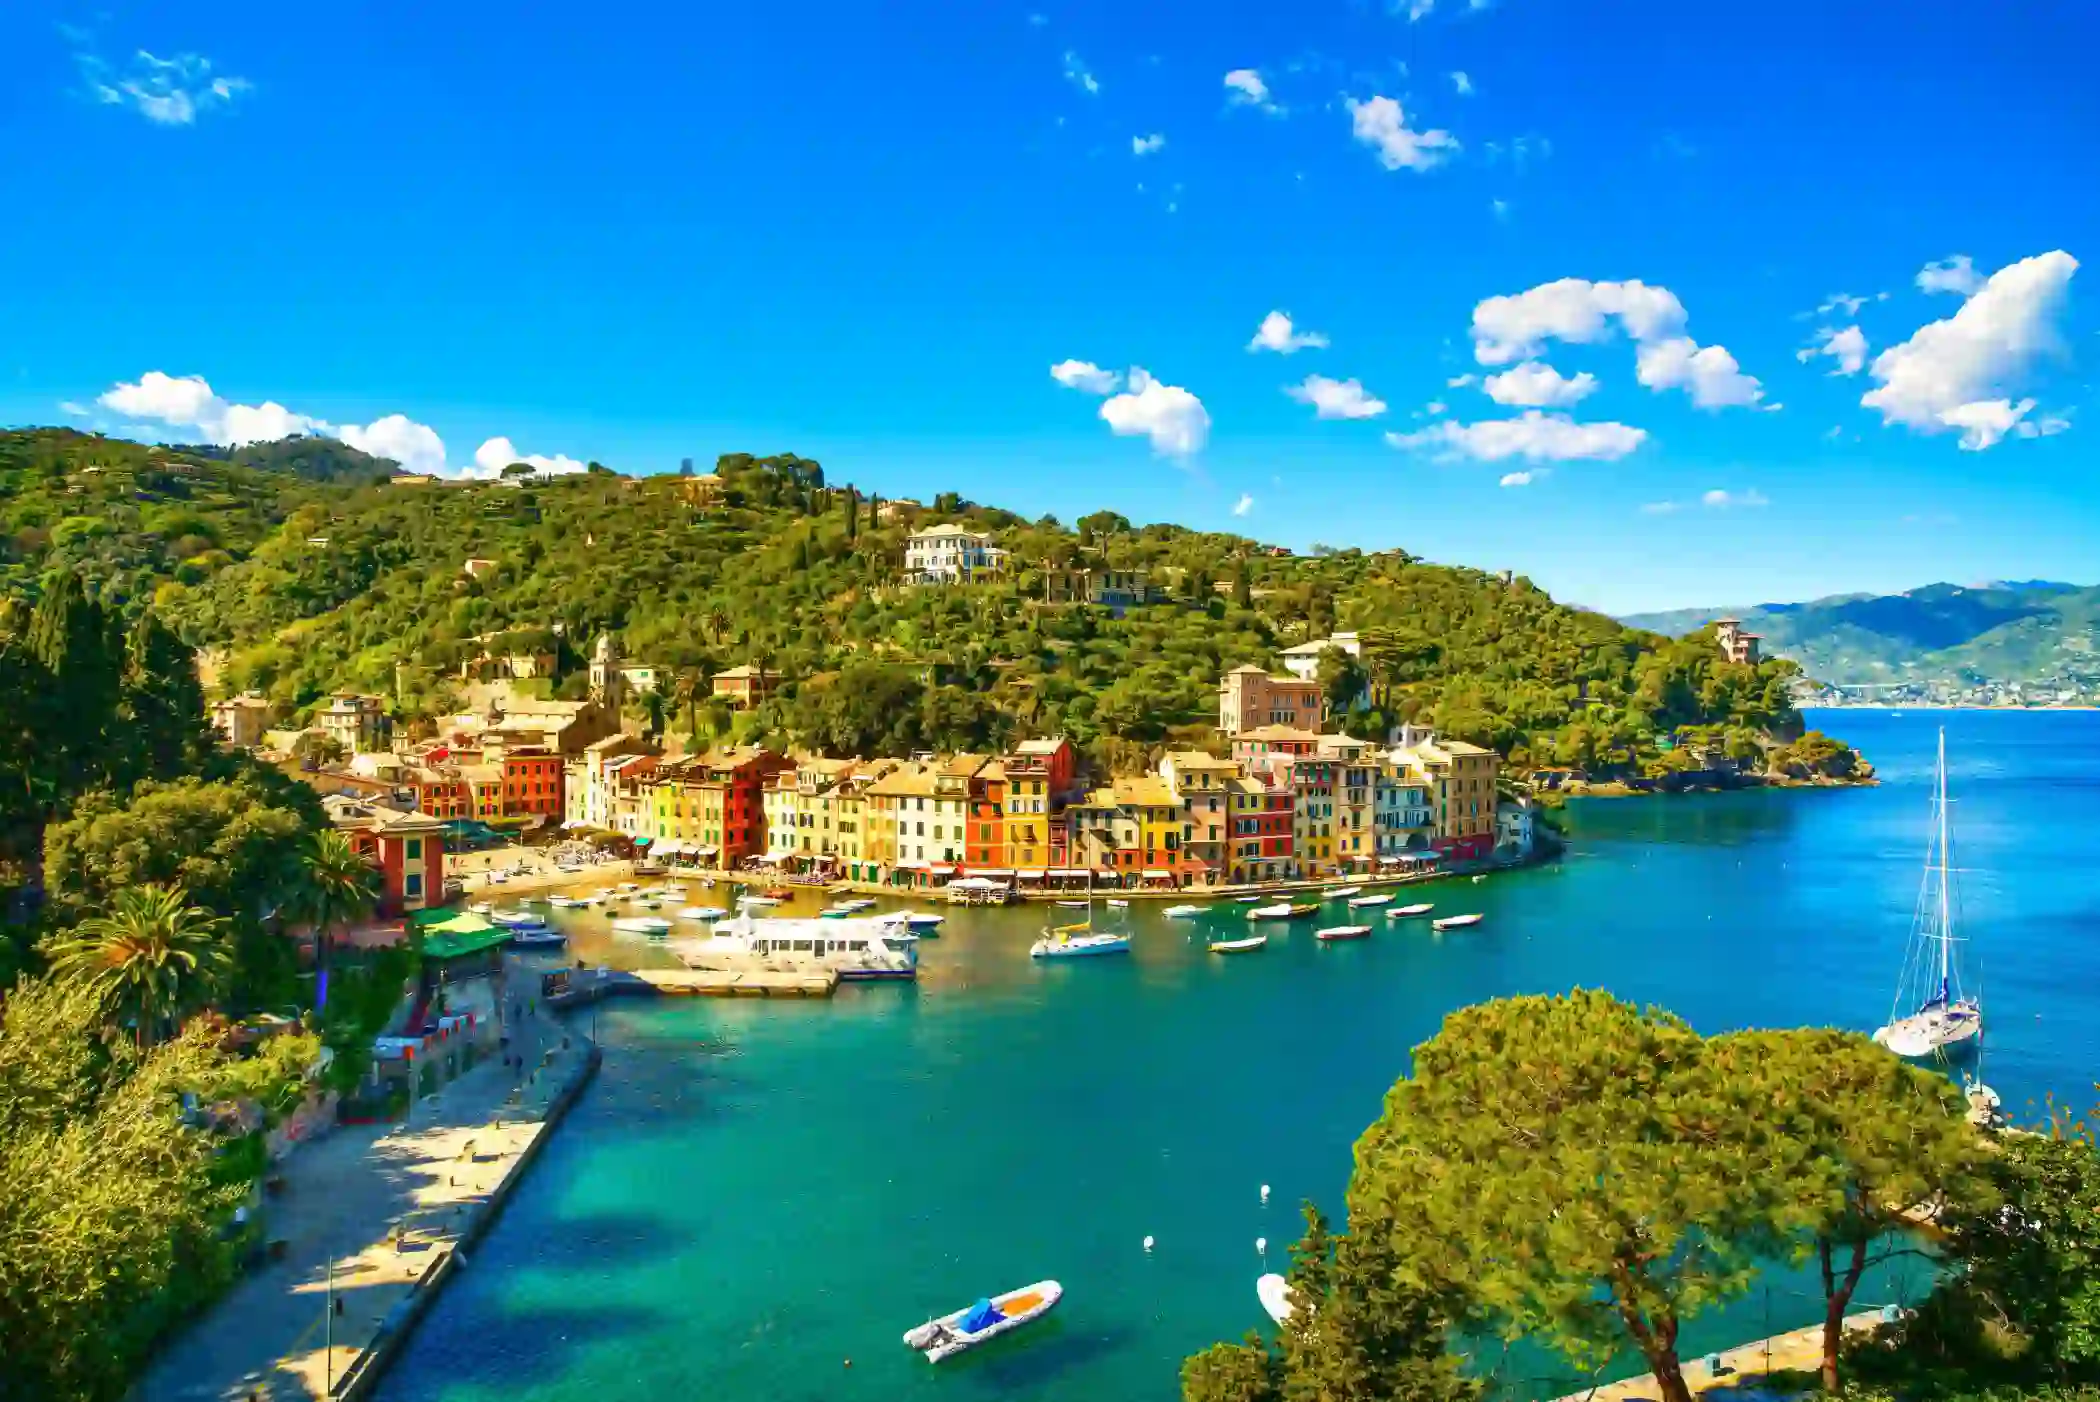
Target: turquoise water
[[754, 1193]]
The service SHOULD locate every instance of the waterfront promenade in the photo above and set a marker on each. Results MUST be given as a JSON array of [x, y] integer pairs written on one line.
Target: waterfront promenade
[[1797, 1351], [392, 1206]]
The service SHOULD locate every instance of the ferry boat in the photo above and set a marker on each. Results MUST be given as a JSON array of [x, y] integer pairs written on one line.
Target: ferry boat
[[859, 949]]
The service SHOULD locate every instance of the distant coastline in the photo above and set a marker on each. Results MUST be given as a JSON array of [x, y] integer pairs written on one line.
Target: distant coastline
[[1940, 706]]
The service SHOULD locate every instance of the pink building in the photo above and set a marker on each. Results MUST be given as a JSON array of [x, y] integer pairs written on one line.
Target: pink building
[[1249, 698]]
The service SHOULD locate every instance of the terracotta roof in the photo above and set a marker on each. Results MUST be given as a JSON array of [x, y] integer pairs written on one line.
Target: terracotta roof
[[743, 673]]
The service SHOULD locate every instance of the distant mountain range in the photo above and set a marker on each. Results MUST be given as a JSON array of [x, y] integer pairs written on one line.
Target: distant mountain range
[[2028, 630]]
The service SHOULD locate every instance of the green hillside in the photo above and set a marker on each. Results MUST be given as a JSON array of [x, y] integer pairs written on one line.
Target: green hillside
[[302, 586], [2022, 631]]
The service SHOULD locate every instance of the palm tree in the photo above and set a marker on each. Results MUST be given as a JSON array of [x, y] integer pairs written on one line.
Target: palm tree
[[150, 957], [336, 886], [717, 624]]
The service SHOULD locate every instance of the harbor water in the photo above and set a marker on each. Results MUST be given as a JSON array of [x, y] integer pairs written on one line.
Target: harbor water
[[758, 1198]]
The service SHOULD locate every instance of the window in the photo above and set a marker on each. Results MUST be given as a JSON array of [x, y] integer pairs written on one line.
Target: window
[[414, 848], [412, 886]]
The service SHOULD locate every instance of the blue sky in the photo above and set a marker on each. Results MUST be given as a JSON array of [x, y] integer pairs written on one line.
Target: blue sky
[[868, 233]]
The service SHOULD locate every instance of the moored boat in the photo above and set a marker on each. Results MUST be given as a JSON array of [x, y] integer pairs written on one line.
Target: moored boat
[[566, 902], [642, 925], [988, 1318], [924, 920], [1184, 912], [1245, 900], [537, 937], [1342, 893], [1271, 912], [1367, 902], [1119, 905], [1456, 922], [1342, 932], [859, 949], [1409, 911], [702, 912], [1300, 911], [1945, 1021], [1056, 944], [1274, 1292], [1245, 946], [1075, 905], [514, 918]]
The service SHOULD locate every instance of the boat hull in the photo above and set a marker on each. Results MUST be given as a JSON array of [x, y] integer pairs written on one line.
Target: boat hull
[[1342, 932], [879, 975], [1239, 946], [1455, 922], [942, 1338]]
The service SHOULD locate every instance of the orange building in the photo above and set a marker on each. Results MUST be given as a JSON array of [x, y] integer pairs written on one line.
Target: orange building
[[532, 783], [407, 848], [984, 837]]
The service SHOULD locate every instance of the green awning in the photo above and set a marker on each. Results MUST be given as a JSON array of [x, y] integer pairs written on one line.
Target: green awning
[[445, 944], [445, 920]]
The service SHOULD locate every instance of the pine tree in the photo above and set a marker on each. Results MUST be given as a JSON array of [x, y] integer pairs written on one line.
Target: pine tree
[[166, 734]]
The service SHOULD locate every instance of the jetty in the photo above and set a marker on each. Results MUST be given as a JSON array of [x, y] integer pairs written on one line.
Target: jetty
[[741, 983], [1798, 1350]]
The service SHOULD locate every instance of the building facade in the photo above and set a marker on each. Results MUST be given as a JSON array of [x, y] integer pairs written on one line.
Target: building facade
[[1249, 698], [241, 720], [951, 554], [356, 722]]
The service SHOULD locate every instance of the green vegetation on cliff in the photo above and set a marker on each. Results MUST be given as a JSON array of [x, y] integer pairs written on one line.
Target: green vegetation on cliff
[[303, 586]]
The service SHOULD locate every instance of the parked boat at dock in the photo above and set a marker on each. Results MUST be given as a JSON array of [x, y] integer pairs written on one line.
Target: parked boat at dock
[[1342, 932], [1408, 912], [1366, 902], [1184, 912], [642, 925], [1456, 922], [1244, 946], [1057, 944], [860, 949], [988, 1318], [1342, 893]]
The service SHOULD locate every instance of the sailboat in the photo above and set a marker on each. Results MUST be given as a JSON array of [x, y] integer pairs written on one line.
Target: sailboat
[[1945, 1021]]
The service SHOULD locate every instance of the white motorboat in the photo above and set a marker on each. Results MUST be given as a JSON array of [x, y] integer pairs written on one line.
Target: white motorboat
[[703, 912], [988, 1318], [1059, 945], [1246, 900], [1119, 905], [1270, 912], [1184, 912], [758, 902], [854, 906], [1075, 905], [924, 920], [1408, 912], [642, 925], [1456, 922], [481, 907], [537, 937], [1342, 932], [1274, 1292], [1367, 902], [566, 902], [1945, 1021], [513, 918], [859, 948], [1245, 946], [1343, 893]]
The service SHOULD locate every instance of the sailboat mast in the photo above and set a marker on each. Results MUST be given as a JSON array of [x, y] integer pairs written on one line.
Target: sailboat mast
[[1946, 934]]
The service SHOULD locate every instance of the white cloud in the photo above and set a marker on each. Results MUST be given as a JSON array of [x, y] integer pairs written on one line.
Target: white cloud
[[1416, 9], [1435, 407], [1517, 327], [1520, 479], [1461, 381], [1381, 124], [1277, 334], [1244, 505], [1085, 375], [72, 410], [1957, 275], [1708, 374], [1847, 347], [1533, 436], [1146, 145], [1169, 415], [2047, 426], [498, 453], [1463, 83], [1720, 500], [1842, 301], [1077, 75], [188, 402], [1248, 90], [1955, 373], [1537, 385], [1336, 399], [168, 91], [415, 446], [1660, 508]]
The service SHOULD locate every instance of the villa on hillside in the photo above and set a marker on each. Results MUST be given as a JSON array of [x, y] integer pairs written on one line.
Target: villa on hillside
[[1248, 698], [1735, 644], [951, 554]]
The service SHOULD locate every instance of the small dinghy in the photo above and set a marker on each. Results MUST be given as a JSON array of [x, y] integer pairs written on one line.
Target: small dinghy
[[924, 921], [854, 906], [1245, 946], [758, 902], [515, 918], [1408, 911], [1058, 945], [1343, 892], [1274, 1292], [1300, 911], [1456, 922], [566, 902], [642, 925], [537, 937], [1184, 912], [1246, 900], [1342, 932], [1075, 905], [1270, 912], [1119, 905], [702, 912], [1366, 902], [966, 1328]]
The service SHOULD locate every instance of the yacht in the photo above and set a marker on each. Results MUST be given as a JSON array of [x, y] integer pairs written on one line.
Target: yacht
[[1944, 1021]]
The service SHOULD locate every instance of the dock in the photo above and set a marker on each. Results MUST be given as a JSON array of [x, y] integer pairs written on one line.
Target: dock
[[1796, 1350], [740, 983]]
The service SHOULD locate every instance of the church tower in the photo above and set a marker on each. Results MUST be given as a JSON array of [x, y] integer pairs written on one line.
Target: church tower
[[608, 686]]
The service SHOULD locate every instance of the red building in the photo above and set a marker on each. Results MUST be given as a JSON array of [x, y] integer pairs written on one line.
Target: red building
[[1261, 846], [1053, 761], [407, 848], [532, 783], [984, 840]]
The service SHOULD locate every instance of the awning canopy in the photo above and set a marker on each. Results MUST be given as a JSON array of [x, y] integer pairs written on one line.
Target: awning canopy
[[1157, 874], [446, 945], [1033, 874], [994, 872], [942, 871], [1070, 871], [911, 866]]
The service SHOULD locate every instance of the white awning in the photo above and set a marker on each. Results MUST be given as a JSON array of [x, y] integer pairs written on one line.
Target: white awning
[[942, 871], [1033, 874], [1156, 874], [1070, 871], [704, 851], [911, 866], [1004, 875]]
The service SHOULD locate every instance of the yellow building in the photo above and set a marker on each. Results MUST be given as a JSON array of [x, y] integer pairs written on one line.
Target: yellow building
[[900, 809], [1160, 823], [1460, 779]]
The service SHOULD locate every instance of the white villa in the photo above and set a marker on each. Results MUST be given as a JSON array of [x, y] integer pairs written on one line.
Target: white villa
[[951, 554]]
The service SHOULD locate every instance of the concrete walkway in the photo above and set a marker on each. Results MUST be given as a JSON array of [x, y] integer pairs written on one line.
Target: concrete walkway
[[388, 1204], [1741, 1367]]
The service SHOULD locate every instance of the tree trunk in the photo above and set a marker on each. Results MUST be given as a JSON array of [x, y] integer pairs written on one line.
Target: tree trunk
[[1837, 1297], [1658, 1345]]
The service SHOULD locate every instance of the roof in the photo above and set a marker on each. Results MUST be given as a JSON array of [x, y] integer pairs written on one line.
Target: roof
[[1041, 747], [246, 702], [1146, 792], [1461, 748], [963, 767], [1197, 759], [745, 672], [906, 781], [1246, 667], [949, 528], [1311, 649], [481, 773]]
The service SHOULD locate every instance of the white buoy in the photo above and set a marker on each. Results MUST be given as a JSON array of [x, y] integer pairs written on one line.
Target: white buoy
[[1148, 1243], [1261, 1244], [1264, 1192]]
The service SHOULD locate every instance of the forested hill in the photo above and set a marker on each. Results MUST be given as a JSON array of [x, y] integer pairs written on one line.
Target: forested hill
[[303, 586], [2015, 631]]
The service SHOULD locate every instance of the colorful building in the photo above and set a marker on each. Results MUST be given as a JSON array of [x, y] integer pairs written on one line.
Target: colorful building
[[241, 720], [1038, 775], [712, 805], [1259, 747], [984, 839], [1312, 779], [1249, 698], [1460, 778], [408, 849], [1355, 800], [1263, 830], [1203, 784]]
